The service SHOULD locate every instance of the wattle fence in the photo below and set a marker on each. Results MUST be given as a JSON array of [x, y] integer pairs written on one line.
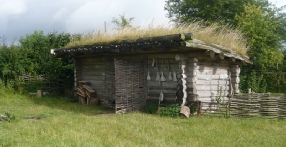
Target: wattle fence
[[258, 105], [41, 82]]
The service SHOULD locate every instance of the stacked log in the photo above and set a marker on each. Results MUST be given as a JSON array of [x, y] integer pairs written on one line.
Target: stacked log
[[86, 94]]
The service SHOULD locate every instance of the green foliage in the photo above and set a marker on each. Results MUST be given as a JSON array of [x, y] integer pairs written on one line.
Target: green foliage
[[34, 86], [262, 25], [122, 22], [253, 80], [182, 11], [151, 108], [193, 108], [172, 110], [32, 57], [10, 116], [274, 82], [262, 39], [39, 46]]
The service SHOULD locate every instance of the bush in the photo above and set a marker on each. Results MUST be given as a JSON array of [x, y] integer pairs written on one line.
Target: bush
[[172, 110], [151, 108]]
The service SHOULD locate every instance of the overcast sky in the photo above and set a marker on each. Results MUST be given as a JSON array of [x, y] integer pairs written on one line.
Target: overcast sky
[[21, 17]]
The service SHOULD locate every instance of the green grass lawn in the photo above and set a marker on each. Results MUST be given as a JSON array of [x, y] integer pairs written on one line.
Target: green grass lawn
[[70, 124]]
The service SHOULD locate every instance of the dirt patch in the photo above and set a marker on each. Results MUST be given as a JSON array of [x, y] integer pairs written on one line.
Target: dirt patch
[[4, 118], [33, 117], [106, 114]]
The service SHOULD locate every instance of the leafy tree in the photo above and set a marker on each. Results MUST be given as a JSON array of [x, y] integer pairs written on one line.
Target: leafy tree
[[263, 40], [263, 24], [264, 33], [122, 22], [33, 57], [39, 46], [182, 11]]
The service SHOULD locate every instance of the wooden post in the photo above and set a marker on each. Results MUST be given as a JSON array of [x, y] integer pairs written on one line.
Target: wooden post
[[192, 92], [183, 58], [221, 55], [212, 54], [75, 80], [39, 93], [235, 71]]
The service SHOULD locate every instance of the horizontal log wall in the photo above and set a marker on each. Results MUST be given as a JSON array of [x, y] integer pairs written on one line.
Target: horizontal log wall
[[211, 82]]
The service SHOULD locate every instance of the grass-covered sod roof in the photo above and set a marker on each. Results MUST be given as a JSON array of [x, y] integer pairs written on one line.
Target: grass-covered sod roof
[[222, 35]]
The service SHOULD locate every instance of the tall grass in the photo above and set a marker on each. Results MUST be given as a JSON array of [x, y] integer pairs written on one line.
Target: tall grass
[[70, 124], [224, 35]]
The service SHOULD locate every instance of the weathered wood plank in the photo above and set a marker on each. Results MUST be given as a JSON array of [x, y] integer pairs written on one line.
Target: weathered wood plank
[[166, 84], [165, 72], [98, 83], [211, 93], [165, 91], [209, 82], [212, 77], [212, 72], [210, 88], [162, 55], [91, 73], [201, 94], [90, 60], [160, 59], [213, 99], [164, 68], [93, 66], [165, 98], [202, 68], [91, 78]]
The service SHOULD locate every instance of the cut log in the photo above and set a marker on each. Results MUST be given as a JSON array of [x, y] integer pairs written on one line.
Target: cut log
[[79, 90], [185, 112], [82, 100], [39, 93], [82, 95], [84, 82], [88, 88]]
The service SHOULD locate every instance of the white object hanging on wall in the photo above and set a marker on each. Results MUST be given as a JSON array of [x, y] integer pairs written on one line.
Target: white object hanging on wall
[[170, 76], [175, 76], [158, 76], [163, 77], [153, 62], [148, 76], [161, 97]]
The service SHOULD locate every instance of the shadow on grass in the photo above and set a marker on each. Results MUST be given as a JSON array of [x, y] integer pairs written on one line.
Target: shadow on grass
[[69, 105]]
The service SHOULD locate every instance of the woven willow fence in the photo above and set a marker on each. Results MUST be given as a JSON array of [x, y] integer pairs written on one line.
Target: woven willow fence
[[258, 105], [49, 85]]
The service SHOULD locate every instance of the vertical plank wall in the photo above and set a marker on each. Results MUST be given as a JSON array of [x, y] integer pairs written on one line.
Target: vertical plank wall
[[92, 69], [168, 87]]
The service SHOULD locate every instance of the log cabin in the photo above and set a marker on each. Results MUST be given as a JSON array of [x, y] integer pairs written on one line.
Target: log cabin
[[175, 68]]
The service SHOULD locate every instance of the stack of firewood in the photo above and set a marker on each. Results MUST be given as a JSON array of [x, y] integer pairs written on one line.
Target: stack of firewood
[[86, 94]]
